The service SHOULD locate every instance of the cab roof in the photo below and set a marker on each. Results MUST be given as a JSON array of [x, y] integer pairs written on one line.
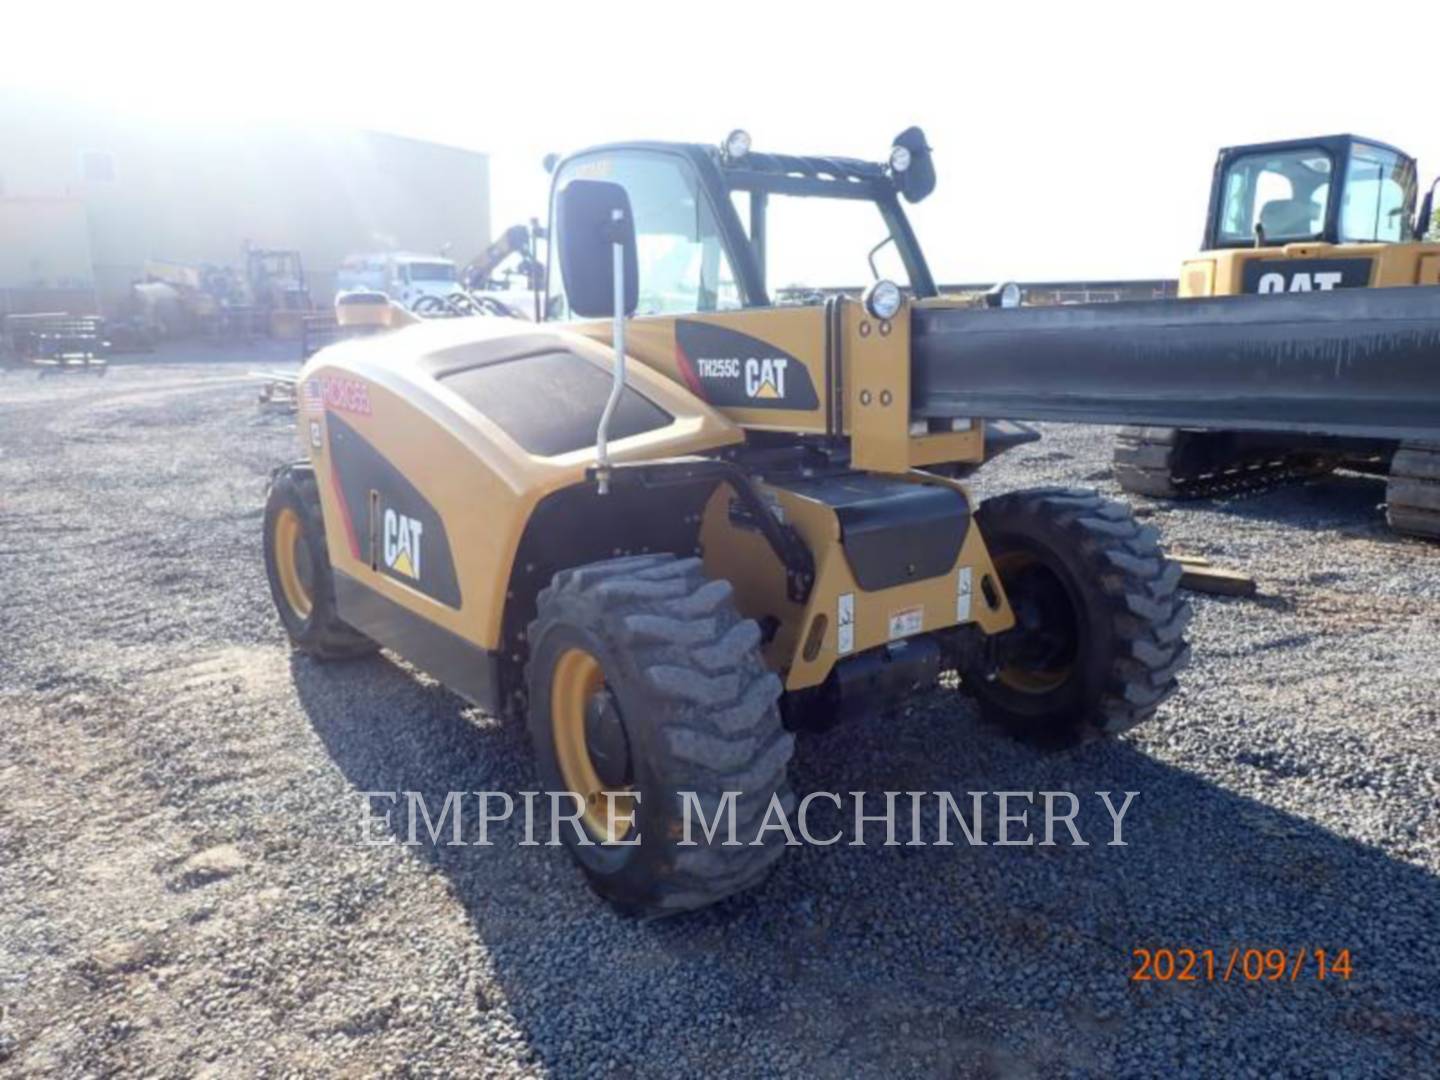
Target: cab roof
[[1336, 144], [773, 172]]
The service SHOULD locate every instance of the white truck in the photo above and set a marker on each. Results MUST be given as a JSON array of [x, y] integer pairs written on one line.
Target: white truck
[[402, 276]]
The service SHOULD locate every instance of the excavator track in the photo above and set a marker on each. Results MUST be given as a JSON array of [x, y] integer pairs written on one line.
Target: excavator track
[[1412, 493], [1163, 463]]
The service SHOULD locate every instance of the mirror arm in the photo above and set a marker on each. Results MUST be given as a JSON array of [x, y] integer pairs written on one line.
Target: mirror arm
[[870, 256], [617, 384]]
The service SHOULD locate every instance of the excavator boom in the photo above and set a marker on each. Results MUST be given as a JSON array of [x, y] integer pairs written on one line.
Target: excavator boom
[[1363, 362]]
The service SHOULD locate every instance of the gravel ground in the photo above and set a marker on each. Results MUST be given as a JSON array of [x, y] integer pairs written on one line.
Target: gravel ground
[[183, 889]]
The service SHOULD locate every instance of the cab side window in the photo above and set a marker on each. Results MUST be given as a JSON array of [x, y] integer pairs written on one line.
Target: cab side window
[[1379, 196], [682, 263]]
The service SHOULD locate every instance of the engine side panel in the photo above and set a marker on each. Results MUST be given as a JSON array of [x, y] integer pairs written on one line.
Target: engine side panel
[[1310, 267], [825, 370], [859, 600], [426, 497], [764, 368]]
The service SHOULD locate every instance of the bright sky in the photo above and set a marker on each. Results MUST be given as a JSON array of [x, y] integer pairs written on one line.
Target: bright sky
[[1072, 140]]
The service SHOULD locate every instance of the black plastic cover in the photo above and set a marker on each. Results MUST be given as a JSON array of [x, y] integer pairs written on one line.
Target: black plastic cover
[[892, 531], [550, 403]]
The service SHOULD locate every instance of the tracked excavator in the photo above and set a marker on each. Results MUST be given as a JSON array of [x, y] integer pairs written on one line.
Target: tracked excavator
[[1322, 216]]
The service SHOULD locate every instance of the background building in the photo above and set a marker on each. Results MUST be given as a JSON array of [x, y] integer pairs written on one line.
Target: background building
[[87, 197]]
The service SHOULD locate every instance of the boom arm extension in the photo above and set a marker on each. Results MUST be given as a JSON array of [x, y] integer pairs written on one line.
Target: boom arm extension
[[1361, 362], [478, 270]]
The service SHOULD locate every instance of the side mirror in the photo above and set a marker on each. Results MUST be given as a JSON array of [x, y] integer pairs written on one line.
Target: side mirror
[[918, 179], [593, 216], [1427, 222]]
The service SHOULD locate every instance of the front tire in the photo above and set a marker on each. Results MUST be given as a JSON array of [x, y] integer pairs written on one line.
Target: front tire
[[644, 680], [297, 564], [1100, 624]]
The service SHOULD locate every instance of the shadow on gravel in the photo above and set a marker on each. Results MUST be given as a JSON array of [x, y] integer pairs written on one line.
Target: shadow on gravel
[[934, 961], [1343, 501]]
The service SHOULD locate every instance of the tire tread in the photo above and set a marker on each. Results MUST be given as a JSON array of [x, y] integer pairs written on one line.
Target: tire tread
[[709, 692]]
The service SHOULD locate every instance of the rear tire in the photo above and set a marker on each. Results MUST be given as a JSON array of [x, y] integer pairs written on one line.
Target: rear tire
[[1100, 622], [297, 564], [675, 699], [1412, 492]]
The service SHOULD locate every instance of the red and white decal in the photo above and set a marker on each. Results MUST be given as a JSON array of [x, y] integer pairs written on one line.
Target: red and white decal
[[337, 394]]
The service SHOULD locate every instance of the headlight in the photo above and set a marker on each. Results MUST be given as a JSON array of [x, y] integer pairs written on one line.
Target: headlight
[[899, 158], [882, 299], [736, 145], [1007, 294]]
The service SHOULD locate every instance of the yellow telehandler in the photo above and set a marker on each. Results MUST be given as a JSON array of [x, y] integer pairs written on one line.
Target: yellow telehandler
[[676, 520]]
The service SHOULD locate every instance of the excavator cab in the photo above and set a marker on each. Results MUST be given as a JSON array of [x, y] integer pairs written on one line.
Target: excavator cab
[[1339, 189]]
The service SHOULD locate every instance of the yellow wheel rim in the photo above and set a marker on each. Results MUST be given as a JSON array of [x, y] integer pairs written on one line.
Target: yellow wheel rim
[[578, 677], [289, 536], [1033, 682], [1027, 680]]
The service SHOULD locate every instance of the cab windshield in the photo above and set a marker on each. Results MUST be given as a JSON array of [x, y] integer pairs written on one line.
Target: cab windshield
[[435, 271], [818, 236], [681, 260], [1283, 196], [816, 245], [1276, 197]]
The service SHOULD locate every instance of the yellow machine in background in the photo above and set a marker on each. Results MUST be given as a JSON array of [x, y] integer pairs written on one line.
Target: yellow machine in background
[[275, 280], [270, 296], [1308, 215], [175, 298]]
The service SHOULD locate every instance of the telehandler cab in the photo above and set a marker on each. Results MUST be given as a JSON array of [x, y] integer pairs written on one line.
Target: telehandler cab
[[678, 520], [1307, 215]]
